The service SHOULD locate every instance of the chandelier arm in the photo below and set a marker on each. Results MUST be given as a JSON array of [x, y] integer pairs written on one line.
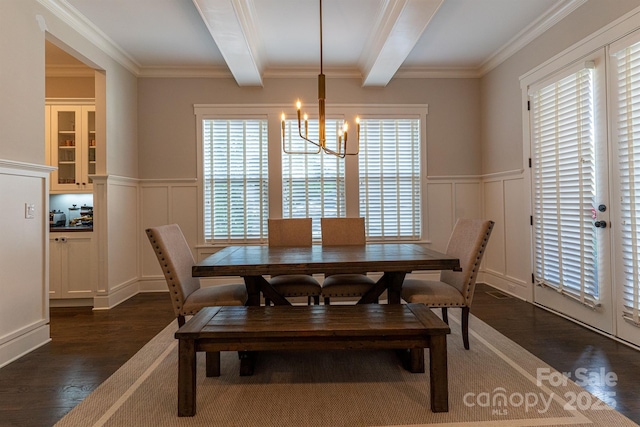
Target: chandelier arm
[[322, 145], [312, 142], [284, 147]]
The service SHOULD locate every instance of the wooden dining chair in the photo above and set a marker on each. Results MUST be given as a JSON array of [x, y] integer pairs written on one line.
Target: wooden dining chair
[[176, 261], [293, 232], [468, 242], [341, 232]]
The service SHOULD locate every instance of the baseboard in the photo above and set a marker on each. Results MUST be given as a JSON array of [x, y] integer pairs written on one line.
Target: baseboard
[[118, 296], [71, 302], [152, 285], [513, 287], [23, 344]]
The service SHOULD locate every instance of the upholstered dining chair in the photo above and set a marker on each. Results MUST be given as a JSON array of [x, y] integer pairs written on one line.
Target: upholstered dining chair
[[468, 242], [176, 260], [338, 232], [293, 232]]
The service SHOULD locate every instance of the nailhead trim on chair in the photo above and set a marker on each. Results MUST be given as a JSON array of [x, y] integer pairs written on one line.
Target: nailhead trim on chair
[[474, 272], [177, 305]]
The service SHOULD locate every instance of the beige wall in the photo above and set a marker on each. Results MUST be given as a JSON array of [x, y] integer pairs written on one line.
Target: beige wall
[[21, 83], [70, 87], [24, 25], [167, 127], [501, 139], [505, 190]]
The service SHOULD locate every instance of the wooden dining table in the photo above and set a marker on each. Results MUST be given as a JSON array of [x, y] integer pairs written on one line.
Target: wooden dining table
[[254, 262]]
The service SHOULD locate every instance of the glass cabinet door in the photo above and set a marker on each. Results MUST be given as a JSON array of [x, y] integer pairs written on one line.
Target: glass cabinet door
[[72, 147], [66, 139], [90, 130]]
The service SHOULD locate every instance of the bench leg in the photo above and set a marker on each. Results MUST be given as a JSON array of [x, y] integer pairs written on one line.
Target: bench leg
[[247, 362], [186, 378], [416, 360], [213, 364], [438, 373]]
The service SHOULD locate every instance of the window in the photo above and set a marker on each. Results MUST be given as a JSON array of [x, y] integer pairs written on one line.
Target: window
[[312, 184], [564, 185], [246, 178], [389, 171], [235, 179]]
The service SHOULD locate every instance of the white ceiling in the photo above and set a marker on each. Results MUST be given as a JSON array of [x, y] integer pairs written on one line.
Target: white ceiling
[[252, 39]]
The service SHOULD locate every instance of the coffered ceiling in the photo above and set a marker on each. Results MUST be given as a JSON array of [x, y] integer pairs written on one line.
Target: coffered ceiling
[[375, 40]]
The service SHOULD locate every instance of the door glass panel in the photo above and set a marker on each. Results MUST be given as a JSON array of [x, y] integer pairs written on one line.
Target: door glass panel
[[564, 187], [66, 147], [91, 138], [627, 88]]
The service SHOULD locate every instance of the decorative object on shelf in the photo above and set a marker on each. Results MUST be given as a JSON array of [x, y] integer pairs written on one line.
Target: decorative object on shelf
[[322, 140]]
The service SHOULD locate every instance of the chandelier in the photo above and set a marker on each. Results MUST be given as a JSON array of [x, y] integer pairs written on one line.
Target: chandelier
[[321, 145]]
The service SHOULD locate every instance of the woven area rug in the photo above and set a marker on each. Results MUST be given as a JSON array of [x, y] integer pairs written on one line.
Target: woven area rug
[[495, 383]]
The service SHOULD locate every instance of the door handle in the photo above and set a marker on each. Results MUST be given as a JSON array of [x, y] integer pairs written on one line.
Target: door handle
[[600, 224]]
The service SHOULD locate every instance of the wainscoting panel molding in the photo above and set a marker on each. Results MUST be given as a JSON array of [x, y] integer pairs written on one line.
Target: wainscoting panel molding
[[507, 261], [24, 260], [165, 202]]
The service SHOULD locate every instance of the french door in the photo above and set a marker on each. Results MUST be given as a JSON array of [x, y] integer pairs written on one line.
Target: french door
[[570, 188], [585, 175], [625, 125]]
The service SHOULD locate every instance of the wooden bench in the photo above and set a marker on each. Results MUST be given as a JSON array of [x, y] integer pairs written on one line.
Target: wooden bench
[[408, 327]]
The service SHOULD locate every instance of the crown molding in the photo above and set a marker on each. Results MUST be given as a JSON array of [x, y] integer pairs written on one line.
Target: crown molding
[[437, 73], [311, 72], [554, 15], [185, 72], [70, 15]]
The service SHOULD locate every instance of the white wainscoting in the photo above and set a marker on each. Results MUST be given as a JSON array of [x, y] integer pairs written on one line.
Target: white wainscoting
[[117, 201], [165, 202], [24, 259], [450, 198], [507, 261], [499, 197]]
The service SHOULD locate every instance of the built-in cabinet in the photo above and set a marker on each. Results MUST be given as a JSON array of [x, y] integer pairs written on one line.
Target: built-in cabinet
[[72, 265], [71, 146]]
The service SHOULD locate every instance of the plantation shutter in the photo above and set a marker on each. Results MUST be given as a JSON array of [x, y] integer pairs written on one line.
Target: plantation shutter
[[389, 171], [235, 180], [563, 162], [312, 184], [627, 92]]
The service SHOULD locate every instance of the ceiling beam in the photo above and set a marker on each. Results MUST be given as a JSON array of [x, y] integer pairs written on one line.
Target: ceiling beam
[[231, 24], [399, 28]]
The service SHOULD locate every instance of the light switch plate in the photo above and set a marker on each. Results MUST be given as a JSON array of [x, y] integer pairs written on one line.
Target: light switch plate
[[29, 210]]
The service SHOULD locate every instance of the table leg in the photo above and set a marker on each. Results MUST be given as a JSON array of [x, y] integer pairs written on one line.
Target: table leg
[[213, 363], [253, 290], [186, 378], [394, 289], [438, 373], [257, 284], [391, 282], [247, 363], [416, 360]]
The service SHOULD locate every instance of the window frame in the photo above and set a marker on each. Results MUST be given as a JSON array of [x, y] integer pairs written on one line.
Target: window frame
[[273, 114]]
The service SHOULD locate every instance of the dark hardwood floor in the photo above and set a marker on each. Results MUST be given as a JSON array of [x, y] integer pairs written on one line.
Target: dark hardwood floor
[[566, 346], [88, 346]]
